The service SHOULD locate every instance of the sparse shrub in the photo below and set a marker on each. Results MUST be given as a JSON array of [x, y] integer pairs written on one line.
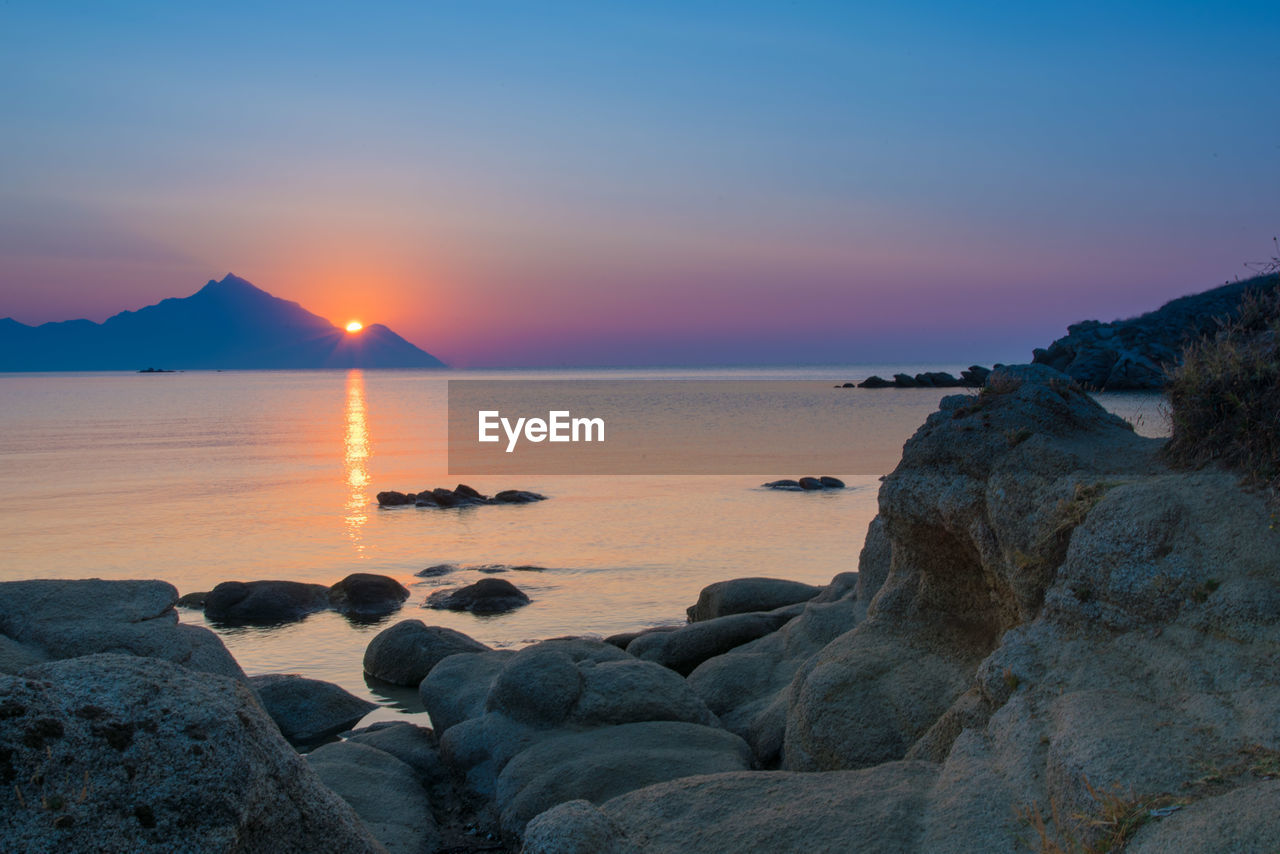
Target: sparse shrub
[[1224, 400], [1011, 679]]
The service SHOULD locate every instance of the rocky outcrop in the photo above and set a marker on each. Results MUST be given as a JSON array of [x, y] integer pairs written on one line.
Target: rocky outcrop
[[119, 753], [308, 710], [1135, 353], [405, 653], [978, 512], [460, 496], [972, 377], [1062, 638], [50, 620]]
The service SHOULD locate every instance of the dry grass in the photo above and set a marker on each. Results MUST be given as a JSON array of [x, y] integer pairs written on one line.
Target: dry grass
[[1119, 816], [1224, 400]]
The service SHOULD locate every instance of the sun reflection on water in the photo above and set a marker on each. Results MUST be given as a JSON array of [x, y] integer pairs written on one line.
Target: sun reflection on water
[[356, 459]]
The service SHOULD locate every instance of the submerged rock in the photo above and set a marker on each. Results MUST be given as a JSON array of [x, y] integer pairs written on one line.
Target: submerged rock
[[517, 496], [486, 596], [437, 570], [125, 753], [308, 710]]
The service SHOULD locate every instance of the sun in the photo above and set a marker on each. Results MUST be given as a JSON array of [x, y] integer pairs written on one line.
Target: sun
[[355, 326]]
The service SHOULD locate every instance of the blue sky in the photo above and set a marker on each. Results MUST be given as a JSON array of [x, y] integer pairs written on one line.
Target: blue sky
[[604, 183]]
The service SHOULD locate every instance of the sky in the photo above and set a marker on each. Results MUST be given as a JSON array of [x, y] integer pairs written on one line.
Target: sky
[[548, 184]]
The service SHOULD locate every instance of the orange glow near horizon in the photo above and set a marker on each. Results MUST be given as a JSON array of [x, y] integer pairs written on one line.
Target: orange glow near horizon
[[355, 326]]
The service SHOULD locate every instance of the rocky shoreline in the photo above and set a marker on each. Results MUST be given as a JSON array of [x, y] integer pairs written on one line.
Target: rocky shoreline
[[1051, 639]]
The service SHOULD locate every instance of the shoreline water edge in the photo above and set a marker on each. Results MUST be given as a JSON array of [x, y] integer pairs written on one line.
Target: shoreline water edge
[[1051, 638]]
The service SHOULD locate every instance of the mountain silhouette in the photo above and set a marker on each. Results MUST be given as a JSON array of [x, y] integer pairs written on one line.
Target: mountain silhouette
[[226, 324]]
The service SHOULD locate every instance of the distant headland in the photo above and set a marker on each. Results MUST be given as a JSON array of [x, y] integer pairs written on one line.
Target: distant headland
[[226, 324]]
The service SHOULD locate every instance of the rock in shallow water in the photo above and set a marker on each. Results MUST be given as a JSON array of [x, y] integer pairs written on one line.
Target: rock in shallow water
[[806, 484], [486, 596], [405, 653], [365, 593], [460, 496], [308, 710], [264, 602], [119, 753]]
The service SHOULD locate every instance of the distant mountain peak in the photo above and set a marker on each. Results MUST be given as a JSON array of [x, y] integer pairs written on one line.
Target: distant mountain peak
[[232, 284], [230, 323]]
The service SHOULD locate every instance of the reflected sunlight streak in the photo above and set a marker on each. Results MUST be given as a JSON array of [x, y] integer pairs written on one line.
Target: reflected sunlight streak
[[356, 460]]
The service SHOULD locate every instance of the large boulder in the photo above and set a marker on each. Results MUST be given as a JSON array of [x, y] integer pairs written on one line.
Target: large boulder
[[385, 793], [405, 653], [877, 811], [120, 753], [456, 688], [416, 747], [685, 648], [364, 593], [600, 764], [486, 596], [308, 710], [744, 595], [44, 620], [264, 602]]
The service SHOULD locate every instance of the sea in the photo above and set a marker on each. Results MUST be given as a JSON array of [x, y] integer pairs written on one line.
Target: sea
[[202, 477]]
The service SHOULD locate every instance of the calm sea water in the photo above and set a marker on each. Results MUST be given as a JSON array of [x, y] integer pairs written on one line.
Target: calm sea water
[[200, 477]]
